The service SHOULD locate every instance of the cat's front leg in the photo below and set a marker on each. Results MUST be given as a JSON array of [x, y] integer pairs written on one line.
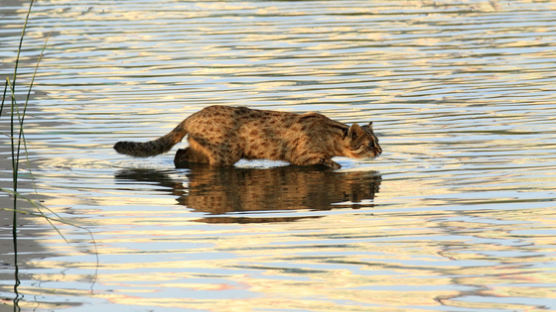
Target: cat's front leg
[[317, 160]]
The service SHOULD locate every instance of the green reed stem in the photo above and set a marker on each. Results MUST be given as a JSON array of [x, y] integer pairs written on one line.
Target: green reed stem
[[15, 156], [14, 77], [19, 135], [12, 85], [21, 42], [14, 215], [3, 97]]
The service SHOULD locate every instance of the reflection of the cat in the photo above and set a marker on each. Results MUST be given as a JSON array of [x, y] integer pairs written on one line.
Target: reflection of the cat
[[226, 190]]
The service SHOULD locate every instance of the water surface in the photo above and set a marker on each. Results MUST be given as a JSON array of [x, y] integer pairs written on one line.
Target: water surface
[[457, 214]]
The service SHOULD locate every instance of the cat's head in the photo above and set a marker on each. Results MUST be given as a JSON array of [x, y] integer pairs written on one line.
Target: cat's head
[[362, 142]]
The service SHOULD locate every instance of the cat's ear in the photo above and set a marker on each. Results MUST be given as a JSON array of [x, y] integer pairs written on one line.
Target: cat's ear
[[371, 125], [355, 131]]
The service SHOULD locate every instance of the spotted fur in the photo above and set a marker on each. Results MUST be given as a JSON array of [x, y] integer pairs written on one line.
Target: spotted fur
[[222, 135]]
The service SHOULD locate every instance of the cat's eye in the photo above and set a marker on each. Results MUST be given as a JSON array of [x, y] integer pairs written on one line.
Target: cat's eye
[[359, 147]]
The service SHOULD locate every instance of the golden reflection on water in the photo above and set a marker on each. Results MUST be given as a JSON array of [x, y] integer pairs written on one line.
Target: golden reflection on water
[[457, 214], [355, 261]]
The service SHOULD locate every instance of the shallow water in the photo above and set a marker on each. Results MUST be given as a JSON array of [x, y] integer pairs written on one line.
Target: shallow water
[[457, 214]]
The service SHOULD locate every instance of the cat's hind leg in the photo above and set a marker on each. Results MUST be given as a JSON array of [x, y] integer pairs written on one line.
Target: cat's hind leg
[[220, 154], [187, 156]]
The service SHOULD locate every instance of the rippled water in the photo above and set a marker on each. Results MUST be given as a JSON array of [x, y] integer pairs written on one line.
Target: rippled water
[[458, 213]]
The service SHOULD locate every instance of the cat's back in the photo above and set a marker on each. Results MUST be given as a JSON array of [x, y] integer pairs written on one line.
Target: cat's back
[[233, 119]]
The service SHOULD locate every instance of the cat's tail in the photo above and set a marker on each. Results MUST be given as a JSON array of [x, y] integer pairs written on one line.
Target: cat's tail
[[154, 147]]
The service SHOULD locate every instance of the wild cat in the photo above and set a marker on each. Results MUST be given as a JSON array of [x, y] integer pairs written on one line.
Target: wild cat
[[222, 135]]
